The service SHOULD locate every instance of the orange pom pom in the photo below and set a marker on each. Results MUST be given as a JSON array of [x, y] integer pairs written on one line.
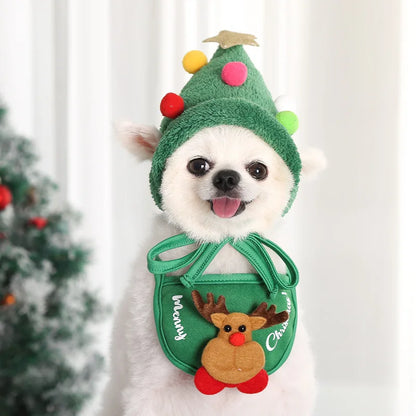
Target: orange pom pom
[[193, 61]]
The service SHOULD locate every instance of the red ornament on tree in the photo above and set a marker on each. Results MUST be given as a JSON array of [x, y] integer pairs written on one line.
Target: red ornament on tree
[[5, 197], [38, 222], [172, 105], [8, 300]]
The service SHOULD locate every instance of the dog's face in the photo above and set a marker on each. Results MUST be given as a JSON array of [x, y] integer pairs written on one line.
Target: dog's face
[[225, 181]]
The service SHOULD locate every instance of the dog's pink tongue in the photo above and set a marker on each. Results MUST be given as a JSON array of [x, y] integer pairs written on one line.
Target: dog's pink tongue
[[225, 207]]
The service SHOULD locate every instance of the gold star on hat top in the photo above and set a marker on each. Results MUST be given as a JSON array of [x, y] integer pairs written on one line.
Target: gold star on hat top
[[227, 39]]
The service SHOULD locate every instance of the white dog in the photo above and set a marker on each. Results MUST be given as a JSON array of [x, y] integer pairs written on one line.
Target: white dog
[[224, 181]]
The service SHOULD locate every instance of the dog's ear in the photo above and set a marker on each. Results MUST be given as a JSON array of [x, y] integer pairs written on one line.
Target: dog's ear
[[313, 162], [141, 140]]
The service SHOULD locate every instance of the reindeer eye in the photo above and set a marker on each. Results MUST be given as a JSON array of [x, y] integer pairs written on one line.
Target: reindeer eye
[[198, 166], [257, 170], [227, 328], [242, 328]]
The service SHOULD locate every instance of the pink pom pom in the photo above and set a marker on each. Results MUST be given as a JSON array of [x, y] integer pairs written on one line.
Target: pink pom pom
[[234, 74]]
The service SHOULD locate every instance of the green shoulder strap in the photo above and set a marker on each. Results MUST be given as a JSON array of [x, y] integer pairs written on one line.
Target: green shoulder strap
[[252, 248], [199, 259], [202, 262], [158, 266]]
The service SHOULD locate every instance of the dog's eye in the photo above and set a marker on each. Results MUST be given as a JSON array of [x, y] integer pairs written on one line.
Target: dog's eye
[[199, 166], [257, 170]]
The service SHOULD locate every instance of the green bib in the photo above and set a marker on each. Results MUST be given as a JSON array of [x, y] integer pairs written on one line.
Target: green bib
[[183, 332]]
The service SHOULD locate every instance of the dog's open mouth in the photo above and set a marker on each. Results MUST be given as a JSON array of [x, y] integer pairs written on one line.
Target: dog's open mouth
[[225, 207]]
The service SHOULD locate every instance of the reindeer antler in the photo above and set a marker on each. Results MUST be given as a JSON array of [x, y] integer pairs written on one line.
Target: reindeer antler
[[207, 309], [270, 314]]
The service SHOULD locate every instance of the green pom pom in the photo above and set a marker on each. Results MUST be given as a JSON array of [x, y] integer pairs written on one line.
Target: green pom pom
[[289, 120]]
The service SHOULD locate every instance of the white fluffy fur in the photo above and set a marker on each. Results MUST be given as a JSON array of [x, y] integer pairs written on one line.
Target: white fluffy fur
[[313, 162], [185, 197], [142, 380], [140, 140]]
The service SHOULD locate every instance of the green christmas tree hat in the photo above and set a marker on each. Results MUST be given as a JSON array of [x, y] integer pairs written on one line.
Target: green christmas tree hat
[[228, 90]]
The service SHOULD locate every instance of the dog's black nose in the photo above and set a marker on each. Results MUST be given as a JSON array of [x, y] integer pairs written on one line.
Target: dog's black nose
[[226, 180]]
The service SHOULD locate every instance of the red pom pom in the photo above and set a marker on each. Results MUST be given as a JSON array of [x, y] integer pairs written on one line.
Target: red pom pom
[[38, 222], [172, 105], [237, 339], [5, 197]]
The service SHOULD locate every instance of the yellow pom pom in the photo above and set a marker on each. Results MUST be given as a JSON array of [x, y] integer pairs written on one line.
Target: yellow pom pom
[[193, 61]]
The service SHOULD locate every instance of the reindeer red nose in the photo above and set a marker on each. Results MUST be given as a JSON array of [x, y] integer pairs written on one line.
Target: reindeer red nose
[[237, 339]]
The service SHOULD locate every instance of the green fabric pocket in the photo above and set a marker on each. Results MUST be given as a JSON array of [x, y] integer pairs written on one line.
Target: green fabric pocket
[[183, 332]]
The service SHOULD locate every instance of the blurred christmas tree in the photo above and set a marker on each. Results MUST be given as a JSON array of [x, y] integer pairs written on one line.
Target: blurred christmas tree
[[47, 361]]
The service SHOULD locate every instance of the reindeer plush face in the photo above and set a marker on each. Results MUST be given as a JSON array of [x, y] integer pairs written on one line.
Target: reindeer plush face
[[237, 327], [225, 181], [233, 357]]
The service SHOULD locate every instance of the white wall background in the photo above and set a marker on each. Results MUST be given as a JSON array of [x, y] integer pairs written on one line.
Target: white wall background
[[69, 68]]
